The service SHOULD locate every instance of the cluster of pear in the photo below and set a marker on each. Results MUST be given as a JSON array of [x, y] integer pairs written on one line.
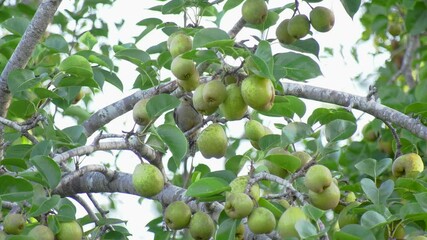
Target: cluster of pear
[[15, 223], [289, 30], [323, 191]]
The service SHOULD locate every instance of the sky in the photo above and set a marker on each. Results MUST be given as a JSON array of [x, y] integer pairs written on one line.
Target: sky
[[338, 72]]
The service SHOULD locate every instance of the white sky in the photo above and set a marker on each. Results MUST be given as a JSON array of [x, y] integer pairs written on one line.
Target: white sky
[[337, 73]]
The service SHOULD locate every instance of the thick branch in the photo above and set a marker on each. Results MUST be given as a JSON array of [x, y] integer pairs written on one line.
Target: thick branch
[[358, 102]]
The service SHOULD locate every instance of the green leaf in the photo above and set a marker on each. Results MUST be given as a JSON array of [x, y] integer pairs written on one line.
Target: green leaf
[[270, 20], [286, 106], [262, 202], [46, 206], [325, 116], [373, 167], [56, 43], [208, 37], [21, 79], [49, 169], [173, 7], [207, 187], [295, 131], [313, 212], [288, 162], [339, 130], [88, 40], [42, 148], [268, 141], [77, 65], [22, 108], [305, 46], [295, 66], [230, 4], [133, 55], [370, 190], [160, 104], [354, 232], [75, 134], [416, 19], [223, 174], [372, 219], [305, 229], [175, 140], [15, 189], [16, 25], [351, 6], [422, 200], [14, 164], [235, 163], [227, 229]]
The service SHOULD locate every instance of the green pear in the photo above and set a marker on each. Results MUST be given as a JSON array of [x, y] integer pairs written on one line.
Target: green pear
[[238, 205], [282, 33], [322, 19], [190, 84], [261, 221], [327, 199], [180, 44], [41, 232], [240, 232], [229, 79], [214, 93], [303, 157], [258, 92], [171, 37], [182, 68], [274, 168], [395, 29], [212, 141], [239, 185], [14, 223], [234, 107], [201, 226], [199, 103], [140, 114], [395, 230], [407, 165], [254, 130], [254, 11], [286, 224], [317, 178], [177, 215], [299, 26], [346, 217], [70, 231], [147, 180]]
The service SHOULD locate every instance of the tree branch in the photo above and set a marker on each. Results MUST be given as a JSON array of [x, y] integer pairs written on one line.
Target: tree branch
[[358, 102], [405, 69]]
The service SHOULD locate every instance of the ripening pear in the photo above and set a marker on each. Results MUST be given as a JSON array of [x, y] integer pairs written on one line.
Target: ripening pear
[[327, 199], [70, 231], [41, 232], [177, 215], [147, 180], [299, 26], [274, 168], [322, 19], [258, 92], [238, 205], [407, 165], [254, 11], [182, 68], [261, 221], [286, 224], [254, 130], [139, 112], [234, 107], [199, 103], [239, 184], [14, 223], [303, 157], [395, 29], [190, 84], [201, 227], [180, 44], [248, 65], [282, 33], [214, 93], [318, 178], [240, 232], [212, 141]]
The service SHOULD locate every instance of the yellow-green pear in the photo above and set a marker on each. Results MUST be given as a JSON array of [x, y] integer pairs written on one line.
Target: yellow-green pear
[[238, 205], [261, 221], [303, 156], [14, 223], [346, 217], [322, 19], [299, 26], [41, 232], [254, 11], [70, 231], [171, 37], [240, 232], [282, 33], [199, 103], [214, 93], [240, 183], [254, 130], [327, 199], [258, 92], [248, 65], [318, 178], [177, 215], [140, 114], [190, 84], [147, 180], [395, 29], [180, 44], [201, 226], [407, 165], [182, 68], [234, 107], [212, 141], [286, 224]]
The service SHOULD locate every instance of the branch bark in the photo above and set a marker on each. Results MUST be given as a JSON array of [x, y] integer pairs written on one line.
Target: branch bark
[[358, 102]]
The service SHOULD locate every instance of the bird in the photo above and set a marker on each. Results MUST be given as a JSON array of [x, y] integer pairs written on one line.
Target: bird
[[185, 115]]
